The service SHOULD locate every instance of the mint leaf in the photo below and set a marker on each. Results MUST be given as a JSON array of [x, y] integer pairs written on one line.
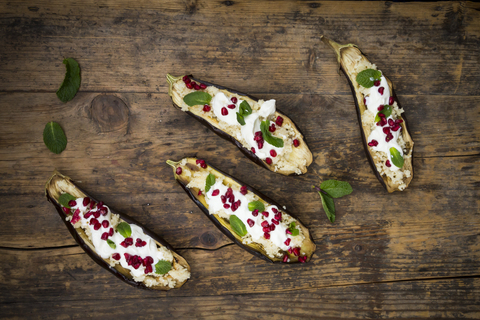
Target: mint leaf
[[328, 206], [124, 229], [65, 198], [387, 111], [197, 98], [237, 225], [111, 244], [396, 157], [256, 205], [293, 230], [162, 267], [240, 119], [245, 108], [54, 137], [210, 182], [366, 78], [69, 87], [267, 136], [336, 189]]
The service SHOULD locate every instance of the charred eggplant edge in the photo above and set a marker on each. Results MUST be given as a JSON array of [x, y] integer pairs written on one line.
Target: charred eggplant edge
[[99, 260], [248, 153], [225, 230], [328, 42]]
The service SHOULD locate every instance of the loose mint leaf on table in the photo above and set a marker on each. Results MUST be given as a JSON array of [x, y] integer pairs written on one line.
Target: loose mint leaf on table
[[65, 198], [111, 244], [237, 225], [71, 83], [328, 206], [396, 157], [366, 78], [336, 189], [267, 136], [210, 182], [197, 98], [124, 229], [162, 267], [256, 205], [54, 137]]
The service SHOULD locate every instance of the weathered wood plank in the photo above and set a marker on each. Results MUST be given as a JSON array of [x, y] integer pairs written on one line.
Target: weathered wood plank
[[446, 299], [128, 47]]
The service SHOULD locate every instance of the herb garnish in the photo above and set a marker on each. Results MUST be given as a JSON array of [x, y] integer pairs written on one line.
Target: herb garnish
[[65, 198], [396, 157], [292, 229], [69, 87], [244, 111], [367, 78], [267, 136], [54, 137], [197, 98], [124, 229], [387, 111], [332, 189], [237, 225], [256, 205], [111, 244], [210, 181], [162, 267]]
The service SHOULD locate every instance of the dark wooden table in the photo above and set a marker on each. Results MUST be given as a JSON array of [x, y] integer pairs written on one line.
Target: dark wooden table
[[414, 254]]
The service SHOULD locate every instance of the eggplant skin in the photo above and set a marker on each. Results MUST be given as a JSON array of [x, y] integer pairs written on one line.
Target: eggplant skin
[[227, 232], [384, 181], [91, 252], [247, 152]]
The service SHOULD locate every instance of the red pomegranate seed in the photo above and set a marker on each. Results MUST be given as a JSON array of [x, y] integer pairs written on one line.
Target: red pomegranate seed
[[386, 130], [226, 206], [215, 192], [296, 143], [272, 128], [285, 258], [296, 251], [258, 133], [148, 260], [250, 222], [391, 100], [223, 198], [381, 115], [127, 256], [100, 204], [129, 241], [231, 106], [278, 216], [266, 229], [303, 260], [203, 165], [96, 214], [388, 164], [178, 171], [196, 86], [231, 198], [398, 121], [268, 161], [260, 144], [272, 227], [185, 78], [376, 83], [364, 101], [381, 107], [203, 86], [257, 138], [373, 143], [265, 214], [206, 108], [76, 216], [380, 90], [234, 207], [287, 242], [116, 256], [275, 222], [396, 127], [253, 150], [255, 213], [105, 223], [389, 137], [234, 99], [274, 210], [105, 236], [97, 226], [148, 269], [72, 203], [87, 215], [279, 121], [110, 232], [92, 204], [290, 250], [224, 111], [66, 210], [391, 122], [86, 201], [273, 153], [229, 192], [189, 85], [288, 231], [199, 192], [140, 243], [266, 235], [93, 221], [244, 190], [264, 224], [104, 211]]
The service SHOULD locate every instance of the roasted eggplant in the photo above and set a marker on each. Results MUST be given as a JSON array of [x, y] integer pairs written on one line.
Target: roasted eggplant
[[250, 219], [237, 117], [387, 142], [86, 219]]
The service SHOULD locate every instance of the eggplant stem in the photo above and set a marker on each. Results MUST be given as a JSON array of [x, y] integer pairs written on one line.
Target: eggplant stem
[[171, 80], [337, 48], [172, 164]]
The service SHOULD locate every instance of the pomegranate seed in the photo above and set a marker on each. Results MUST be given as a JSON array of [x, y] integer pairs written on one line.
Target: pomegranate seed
[[279, 121], [148, 260], [303, 260], [105, 223], [199, 192], [234, 99], [206, 108], [76, 216], [381, 115], [265, 214], [178, 171], [86, 201], [389, 137], [268, 161], [137, 265], [104, 211], [196, 86], [274, 210], [116, 256], [380, 90], [148, 269], [272, 128], [376, 83], [275, 222], [129, 241], [253, 149], [215, 192], [266, 229], [224, 111], [272, 227], [189, 85], [140, 243], [231, 106], [100, 204], [391, 100], [388, 164], [87, 215], [381, 107], [234, 207], [226, 206], [185, 77], [278, 216], [257, 138], [287, 242], [273, 153], [93, 221], [382, 122], [391, 122], [229, 192], [396, 127], [260, 144], [296, 143], [258, 133], [96, 214], [66, 210], [231, 198], [364, 101], [127, 256], [288, 231], [285, 258], [105, 236], [110, 232], [398, 121], [97, 226], [203, 86], [296, 251], [255, 212], [266, 235], [203, 165], [264, 224], [244, 190], [250, 222], [373, 143], [290, 250], [72, 203], [223, 198], [386, 130], [92, 205]]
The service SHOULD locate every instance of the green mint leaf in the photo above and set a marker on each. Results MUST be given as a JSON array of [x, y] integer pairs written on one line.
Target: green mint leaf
[[197, 98], [54, 137], [69, 87], [245, 108], [256, 205], [240, 119], [366, 78], [387, 111], [396, 157], [111, 244], [267, 136], [124, 229], [293, 230], [65, 198], [237, 225], [210, 182], [336, 189], [328, 206], [162, 267]]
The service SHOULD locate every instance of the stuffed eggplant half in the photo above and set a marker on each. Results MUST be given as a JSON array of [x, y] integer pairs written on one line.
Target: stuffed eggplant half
[[250, 219], [115, 241], [256, 127], [387, 142]]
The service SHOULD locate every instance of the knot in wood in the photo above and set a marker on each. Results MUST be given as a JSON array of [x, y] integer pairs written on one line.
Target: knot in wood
[[208, 239], [110, 114]]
